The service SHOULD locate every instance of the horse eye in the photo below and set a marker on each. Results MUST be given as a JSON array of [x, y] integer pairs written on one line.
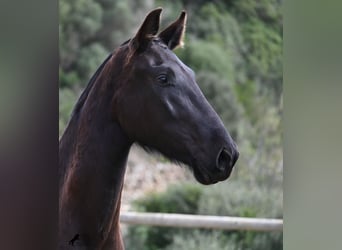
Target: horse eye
[[162, 79]]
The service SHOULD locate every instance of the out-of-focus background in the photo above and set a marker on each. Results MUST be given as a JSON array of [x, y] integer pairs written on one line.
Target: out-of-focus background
[[235, 48]]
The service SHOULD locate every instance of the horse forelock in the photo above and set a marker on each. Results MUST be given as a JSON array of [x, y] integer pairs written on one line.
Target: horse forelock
[[132, 53]]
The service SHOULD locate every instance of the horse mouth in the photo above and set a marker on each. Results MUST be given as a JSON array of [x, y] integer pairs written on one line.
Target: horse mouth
[[208, 179]]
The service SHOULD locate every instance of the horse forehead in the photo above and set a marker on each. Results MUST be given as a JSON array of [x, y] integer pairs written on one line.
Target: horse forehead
[[160, 54]]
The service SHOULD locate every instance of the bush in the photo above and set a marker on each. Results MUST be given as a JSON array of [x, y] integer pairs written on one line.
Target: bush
[[178, 199], [203, 55], [226, 199], [244, 200], [199, 240]]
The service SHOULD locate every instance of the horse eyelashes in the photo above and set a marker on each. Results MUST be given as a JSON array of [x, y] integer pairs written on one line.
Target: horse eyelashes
[[164, 81], [163, 78]]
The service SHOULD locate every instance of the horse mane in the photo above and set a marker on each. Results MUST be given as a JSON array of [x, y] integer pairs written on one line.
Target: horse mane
[[86, 91]]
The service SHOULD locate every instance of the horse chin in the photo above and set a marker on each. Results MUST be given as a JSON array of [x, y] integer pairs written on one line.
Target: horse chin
[[206, 179], [203, 178]]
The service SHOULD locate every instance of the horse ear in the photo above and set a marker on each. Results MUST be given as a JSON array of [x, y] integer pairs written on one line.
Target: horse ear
[[147, 30], [173, 35]]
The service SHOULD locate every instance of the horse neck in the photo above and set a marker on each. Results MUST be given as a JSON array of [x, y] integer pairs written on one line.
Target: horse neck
[[93, 155]]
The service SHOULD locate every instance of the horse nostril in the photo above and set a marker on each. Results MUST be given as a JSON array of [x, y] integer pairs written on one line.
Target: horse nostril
[[223, 160], [234, 158]]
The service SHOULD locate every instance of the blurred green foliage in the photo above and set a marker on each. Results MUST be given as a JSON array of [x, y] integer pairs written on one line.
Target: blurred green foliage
[[89, 30], [237, 198], [178, 199], [235, 48]]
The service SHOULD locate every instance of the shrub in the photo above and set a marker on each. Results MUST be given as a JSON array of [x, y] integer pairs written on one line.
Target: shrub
[[227, 199], [200, 240], [177, 199]]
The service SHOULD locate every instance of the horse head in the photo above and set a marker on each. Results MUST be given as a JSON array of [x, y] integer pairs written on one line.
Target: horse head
[[160, 106]]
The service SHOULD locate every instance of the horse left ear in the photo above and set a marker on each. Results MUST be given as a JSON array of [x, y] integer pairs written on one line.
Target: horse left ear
[[147, 30], [173, 35]]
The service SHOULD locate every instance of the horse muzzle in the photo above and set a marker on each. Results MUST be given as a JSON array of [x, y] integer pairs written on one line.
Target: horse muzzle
[[225, 161]]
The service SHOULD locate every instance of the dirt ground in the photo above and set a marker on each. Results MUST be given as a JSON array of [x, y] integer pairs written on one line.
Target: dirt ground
[[149, 173]]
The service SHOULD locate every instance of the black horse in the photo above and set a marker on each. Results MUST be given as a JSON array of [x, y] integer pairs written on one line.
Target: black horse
[[141, 93]]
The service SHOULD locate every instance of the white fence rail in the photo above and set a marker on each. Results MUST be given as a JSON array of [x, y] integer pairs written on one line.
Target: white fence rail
[[201, 221]]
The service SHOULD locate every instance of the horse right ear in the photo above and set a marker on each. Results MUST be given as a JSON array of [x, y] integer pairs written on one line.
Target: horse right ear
[[147, 30], [173, 35]]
